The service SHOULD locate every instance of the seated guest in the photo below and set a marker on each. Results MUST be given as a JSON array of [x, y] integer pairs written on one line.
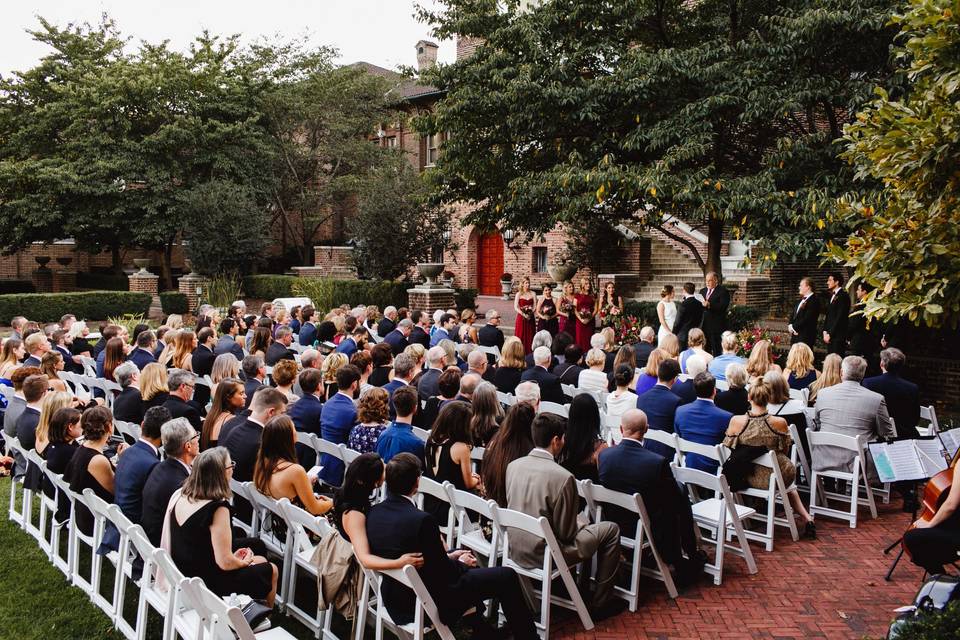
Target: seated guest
[[53, 401], [561, 341], [510, 442], [355, 341], [608, 343], [308, 329], [51, 364], [62, 436], [280, 349], [372, 420], [649, 378], [696, 340], [468, 385], [702, 422], [404, 371], [761, 361], [278, 475], [381, 356], [13, 352], [478, 364], [541, 338], [17, 404], [583, 439], [487, 414], [201, 538], [800, 372], [399, 436], [34, 390], [137, 462], [447, 454], [364, 364], [902, 396], [828, 378], [154, 385], [781, 404], [254, 372], [182, 384], [443, 330], [180, 446], [398, 338], [228, 401], [685, 390], [337, 419], [263, 340], [128, 406], [201, 362], [448, 387], [421, 325], [569, 370], [729, 344], [89, 468], [539, 487], [593, 378], [427, 386], [632, 468], [757, 428], [934, 543], [396, 527], [734, 399], [660, 404], [284, 375], [142, 355], [550, 390], [510, 370], [621, 399], [851, 410], [625, 356], [389, 321], [243, 441], [490, 335], [36, 345], [645, 346], [227, 344], [671, 345]]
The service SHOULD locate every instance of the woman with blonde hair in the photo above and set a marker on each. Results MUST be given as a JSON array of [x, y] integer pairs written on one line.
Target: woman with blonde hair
[[696, 340], [332, 364], [228, 400], [153, 385], [468, 332], [79, 346], [648, 378], [174, 321], [13, 353], [224, 366], [829, 377], [761, 360], [800, 372], [593, 378], [671, 346], [52, 402], [418, 353], [373, 417], [170, 346], [50, 364], [507, 376]]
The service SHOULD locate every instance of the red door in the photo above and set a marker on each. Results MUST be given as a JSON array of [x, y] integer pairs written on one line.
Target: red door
[[490, 264]]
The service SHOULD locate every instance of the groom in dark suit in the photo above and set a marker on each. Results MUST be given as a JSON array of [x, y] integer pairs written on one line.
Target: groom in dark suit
[[716, 302], [689, 315]]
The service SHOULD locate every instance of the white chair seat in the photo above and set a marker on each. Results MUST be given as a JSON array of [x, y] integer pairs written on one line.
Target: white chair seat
[[711, 510], [476, 541], [274, 633]]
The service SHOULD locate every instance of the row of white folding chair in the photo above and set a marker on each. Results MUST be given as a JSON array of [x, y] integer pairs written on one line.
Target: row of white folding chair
[[302, 526], [856, 478], [506, 399], [426, 615], [554, 408], [776, 492], [129, 430], [490, 351], [22, 517], [930, 415]]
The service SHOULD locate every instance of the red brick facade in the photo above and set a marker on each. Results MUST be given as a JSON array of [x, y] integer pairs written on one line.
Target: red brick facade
[[21, 265]]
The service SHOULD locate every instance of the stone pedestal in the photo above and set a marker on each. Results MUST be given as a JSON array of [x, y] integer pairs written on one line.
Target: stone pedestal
[[43, 280], [64, 281], [430, 298], [193, 286]]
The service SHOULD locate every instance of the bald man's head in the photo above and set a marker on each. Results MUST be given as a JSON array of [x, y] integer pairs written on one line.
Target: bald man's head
[[633, 424]]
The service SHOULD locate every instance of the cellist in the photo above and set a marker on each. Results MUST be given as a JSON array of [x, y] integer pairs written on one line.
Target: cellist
[[935, 541]]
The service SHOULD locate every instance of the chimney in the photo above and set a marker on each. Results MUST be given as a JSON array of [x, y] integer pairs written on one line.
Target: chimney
[[426, 55]]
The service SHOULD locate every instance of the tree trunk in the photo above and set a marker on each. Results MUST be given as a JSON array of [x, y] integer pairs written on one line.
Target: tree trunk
[[714, 241], [166, 267], [116, 261]]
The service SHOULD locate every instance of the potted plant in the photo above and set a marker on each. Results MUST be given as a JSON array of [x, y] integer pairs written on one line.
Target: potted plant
[[506, 285], [447, 278]]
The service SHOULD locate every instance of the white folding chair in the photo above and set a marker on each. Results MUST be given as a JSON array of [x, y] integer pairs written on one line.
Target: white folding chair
[[506, 399], [611, 427], [221, 621], [77, 539], [441, 492], [854, 478], [554, 408], [798, 456], [64, 494], [348, 455], [469, 532], [930, 415], [245, 491], [22, 515], [187, 613], [554, 566], [711, 451], [425, 606], [129, 430], [89, 366], [776, 491], [46, 506], [101, 518], [127, 557], [423, 434], [569, 390], [34, 464], [665, 438], [719, 515], [302, 526], [267, 511], [598, 496], [322, 446], [490, 351], [476, 457]]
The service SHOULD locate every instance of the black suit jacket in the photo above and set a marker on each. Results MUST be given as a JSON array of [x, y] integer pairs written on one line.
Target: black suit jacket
[[277, 352], [903, 401], [180, 409], [689, 315], [231, 424], [715, 317], [804, 320], [27, 428], [243, 443], [395, 527], [838, 316], [643, 350], [506, 379], [864, 340], [165, 478], [386, 326], [250, 387], [202, 364], [490, 336], [397, 341], [550, 389], [128, 406], [419, 336], [567, 373]]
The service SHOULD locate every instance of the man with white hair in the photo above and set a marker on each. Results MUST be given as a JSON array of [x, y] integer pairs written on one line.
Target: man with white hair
[[477, 363], [388, 323], [695, 364], [128, 405], [550, 389], [528, 392], [429, 381], [179, 403], [645, 347], [490, 334], [181, 444], [850, 409]]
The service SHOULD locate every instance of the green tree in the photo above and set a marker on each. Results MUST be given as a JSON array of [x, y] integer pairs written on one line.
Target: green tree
[[723, 113], [907, 240]]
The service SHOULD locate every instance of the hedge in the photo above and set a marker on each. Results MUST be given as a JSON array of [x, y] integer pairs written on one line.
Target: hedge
[[268, 287], [327, 294], [86, 305], [174, 302], [466, 299], [103, 281], [739, 316], [16, 286]]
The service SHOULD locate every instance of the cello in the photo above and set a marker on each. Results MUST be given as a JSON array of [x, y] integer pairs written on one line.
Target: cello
[[934, 494]]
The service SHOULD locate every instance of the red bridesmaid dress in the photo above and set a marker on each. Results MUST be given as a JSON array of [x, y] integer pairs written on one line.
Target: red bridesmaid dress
[[524, 327], [585, 304]]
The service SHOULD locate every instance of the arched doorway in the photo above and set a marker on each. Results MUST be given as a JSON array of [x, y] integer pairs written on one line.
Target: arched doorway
[[489, 264]]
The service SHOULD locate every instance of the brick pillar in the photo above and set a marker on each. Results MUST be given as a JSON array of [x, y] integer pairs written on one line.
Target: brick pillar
[[144, 282], [64, 280], [192, 286], [430, 299], [43, 280]]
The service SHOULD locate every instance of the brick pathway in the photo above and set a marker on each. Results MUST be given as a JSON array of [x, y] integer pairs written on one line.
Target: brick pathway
[[829, 588]]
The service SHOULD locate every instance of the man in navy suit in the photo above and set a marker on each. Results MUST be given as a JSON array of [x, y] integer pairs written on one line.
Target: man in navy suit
[[228, 339], [182, 384], [388, 323], [684, 390], [243, 441], [428, 386], [280, 348], [660, 404], [902, 396], [550, 389], [354, 342], [397, 339], [65, 353], [404, 371], [630, 468], [702, 421], [308, 330], [142, 355], [646, 345], [181, 446], [444, 329], [716, 302], [420, 334], [305, 413], [202, 362], [337, 418], [396, 527], [255, 372]]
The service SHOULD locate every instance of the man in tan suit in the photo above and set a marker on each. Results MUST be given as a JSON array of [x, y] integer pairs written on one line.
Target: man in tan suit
[[538, 486]]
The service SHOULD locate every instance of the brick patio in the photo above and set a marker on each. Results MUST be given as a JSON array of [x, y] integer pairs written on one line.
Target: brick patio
[[829, 588]]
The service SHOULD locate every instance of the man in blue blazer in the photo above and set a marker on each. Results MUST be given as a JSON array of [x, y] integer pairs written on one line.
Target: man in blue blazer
[[631, 468], [228, 339], [702, 421], [444, 329], [181, 447], [308, 330], [660, 404], [305, 413], [550, 389], [354, 342], [337, 418], [143, 354], [902, 396], [684, 390], [397, 339]]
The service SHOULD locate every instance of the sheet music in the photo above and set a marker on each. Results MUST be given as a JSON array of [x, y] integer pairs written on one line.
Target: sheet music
[[930, 456], [897, 461], [952, 440], [878, 450], [699, 298]]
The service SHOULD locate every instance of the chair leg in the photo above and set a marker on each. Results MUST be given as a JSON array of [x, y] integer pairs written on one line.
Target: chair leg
[[545, 594]]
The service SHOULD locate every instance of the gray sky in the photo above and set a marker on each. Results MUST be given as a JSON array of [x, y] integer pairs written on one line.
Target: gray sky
[[379, 31]]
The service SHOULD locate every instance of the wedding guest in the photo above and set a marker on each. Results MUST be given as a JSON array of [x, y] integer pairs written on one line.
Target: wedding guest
[[660, 404], [783, 406], [523, 304], [901, 395], [52, 402], [381, 358], [331, 364], [389, 321], [419, 334], [648, 378], [666, 313], [284, 375], [702, 422], [277, 473], [51, 364], [800, 372], [569, 370], [512, 441], [697, 341], [399, 436], [837, 316], [540, 339], [128, 406], [254, 373], [625, 356], [182, 384], [89, 468], [13, 353], [508, 374], [828, 378], [734, 399], [228, 401], [585, 315], [546, 312], [582, 440], [467, 333], [490, 334], [621, 398], [447, 454], [372, 420], [718, 366], [593, 378], [671, 346], [761, 360], [186, 344], [224, 366], [337, 418], [443, 330], [550, 389], [566, 310], [62, 435], [262, 341], [487, 414], [279, 349], [645, 346], [153, 385], [804, 317], [686, 389], [477, 363]]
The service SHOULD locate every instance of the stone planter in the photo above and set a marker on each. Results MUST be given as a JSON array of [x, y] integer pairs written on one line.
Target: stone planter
[[506, 288], [64, 261], [142, 264], [561, 272], [429, 271], [42, 261]]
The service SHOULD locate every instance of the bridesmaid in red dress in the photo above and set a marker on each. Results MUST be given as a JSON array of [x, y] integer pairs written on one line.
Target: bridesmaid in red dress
[[584, 311], [526, 324], [567, 304]]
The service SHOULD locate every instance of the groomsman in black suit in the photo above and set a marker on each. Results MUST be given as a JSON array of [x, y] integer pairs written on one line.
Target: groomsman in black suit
[[804, 318], [838, 316], [864, 336], [716, 302], [689, 315]]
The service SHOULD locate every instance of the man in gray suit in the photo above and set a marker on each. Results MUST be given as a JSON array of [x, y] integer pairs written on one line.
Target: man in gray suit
[[851, 410], [538, 486]]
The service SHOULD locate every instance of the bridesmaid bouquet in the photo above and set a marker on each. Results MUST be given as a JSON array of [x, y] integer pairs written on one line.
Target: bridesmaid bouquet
[[566, 308], [609, 315]]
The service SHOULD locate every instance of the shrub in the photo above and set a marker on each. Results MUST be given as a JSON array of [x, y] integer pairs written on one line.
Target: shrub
[[103, 281], [87, 305], [174, 302], [466, 299], [221, 291], [130, 321], [932, 625], [327, 294], [644, 311], [16, 286], [268, 286]]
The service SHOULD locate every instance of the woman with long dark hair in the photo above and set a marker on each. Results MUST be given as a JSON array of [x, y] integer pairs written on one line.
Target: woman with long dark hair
[[114, 356], [447, 454], [582, 440], [277, 474], [228, 400], [513, 440]]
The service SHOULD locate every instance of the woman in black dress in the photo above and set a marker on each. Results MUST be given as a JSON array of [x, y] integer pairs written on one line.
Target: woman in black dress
[[62, 435], [582, 440], [546, 312], [89, 468], [447, 455], [201, 538]]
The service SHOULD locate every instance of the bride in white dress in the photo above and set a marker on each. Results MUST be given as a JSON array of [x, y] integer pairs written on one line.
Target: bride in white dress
[[667, 312]]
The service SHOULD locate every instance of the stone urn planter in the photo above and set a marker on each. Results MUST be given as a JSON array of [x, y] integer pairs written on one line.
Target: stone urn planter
[[429, 271], [42, 261], [142, 264], [506, 285], [64, 261], [561, 272]]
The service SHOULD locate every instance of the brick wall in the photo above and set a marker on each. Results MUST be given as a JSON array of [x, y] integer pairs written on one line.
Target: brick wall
[[21, 265]]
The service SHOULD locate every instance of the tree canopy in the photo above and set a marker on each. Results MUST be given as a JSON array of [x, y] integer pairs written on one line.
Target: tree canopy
[[722, 113], [907, 237]]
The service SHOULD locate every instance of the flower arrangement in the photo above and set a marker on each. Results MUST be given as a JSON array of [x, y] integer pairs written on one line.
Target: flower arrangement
[[626, 328], [747, 338]]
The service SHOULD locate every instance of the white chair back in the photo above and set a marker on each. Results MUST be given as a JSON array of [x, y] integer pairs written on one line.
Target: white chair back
[[421, 433], [856, 478], [554, 408]]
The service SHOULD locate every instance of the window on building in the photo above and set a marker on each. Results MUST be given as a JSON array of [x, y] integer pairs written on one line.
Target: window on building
[[390, 142], [539, 259], [434, 142]]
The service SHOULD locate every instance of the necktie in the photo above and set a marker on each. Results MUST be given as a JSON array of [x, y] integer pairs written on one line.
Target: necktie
[[709, 293]]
